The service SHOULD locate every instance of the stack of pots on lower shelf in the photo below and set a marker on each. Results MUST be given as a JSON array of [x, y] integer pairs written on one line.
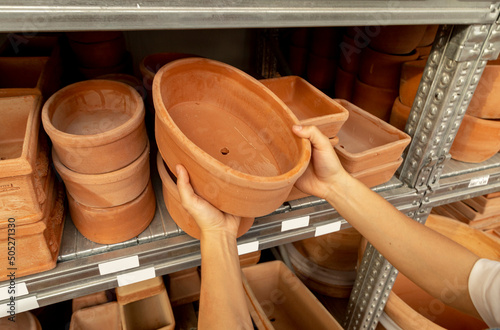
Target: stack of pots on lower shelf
[[233, 135], [101, 52], [101, 151], [23, 321]]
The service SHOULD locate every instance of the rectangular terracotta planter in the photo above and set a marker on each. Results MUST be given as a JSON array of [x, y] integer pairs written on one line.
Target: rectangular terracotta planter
[[462, 212], [89, 300], [184, 286], [309, 104], [145, 305], [277, 299], [484, 206], [24, 163], [366, 141], [105, 316]]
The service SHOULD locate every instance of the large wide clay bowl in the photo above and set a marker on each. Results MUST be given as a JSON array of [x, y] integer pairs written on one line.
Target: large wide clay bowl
[[382, 70], [232, 134], [96, 126], [177, 211], [310, 105], [376, 100], [486, 98], [106, 189], [411, 74], [399, 114], [477, 140], [398, 39], [114, 224]]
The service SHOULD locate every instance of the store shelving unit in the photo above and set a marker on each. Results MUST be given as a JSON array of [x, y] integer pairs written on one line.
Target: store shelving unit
[[469, 36]]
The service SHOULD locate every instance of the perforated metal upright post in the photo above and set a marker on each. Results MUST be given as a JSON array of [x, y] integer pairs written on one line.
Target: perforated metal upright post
[[452, 72]]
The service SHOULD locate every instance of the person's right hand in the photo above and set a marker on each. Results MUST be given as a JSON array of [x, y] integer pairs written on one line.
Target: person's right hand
[[324, 169]]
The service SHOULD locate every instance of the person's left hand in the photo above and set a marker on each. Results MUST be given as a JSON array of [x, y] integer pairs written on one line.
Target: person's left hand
[[209, 218]]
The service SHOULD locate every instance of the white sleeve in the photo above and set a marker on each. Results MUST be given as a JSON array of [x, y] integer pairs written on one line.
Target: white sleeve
[[484, 290]]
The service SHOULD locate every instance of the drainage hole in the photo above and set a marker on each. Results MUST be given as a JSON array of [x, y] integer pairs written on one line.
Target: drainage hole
[[224, 151], [272, 320]]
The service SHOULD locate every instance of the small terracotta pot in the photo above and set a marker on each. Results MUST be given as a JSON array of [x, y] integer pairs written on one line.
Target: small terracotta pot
[[23, 321], [399, 115], [310, 105], [367, 142], [484, 102], [106, 189], [297, 59], [429, 36], [89, 119], [173, 203], [377, 101], [382, 70], [105, 316], [350, 55], [477, 140], [398, 39], [344, 84], [99, 54], [321, 71], [411, 75], [231, 133], [325, 41], [114, 224]]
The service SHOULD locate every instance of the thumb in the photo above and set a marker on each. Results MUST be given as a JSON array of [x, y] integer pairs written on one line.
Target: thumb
[[318, 140]]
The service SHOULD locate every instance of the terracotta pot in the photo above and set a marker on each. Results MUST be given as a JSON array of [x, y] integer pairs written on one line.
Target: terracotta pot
[[297, 60], [300, 37], [493, 195], [477, 140], [24, 321], [184, 286], [177, 211], [377, 175], [377, 101], [484, 102], [325, 41], [310, 105], [107, 189], [23, 75], [89, 119], [344, 84], [367, 141], [325, 281], [429, 36], [99, 54], [125, 66], [398, 39], [382, 70], [252, 159], [279, 300], [105, 316], [321, 71], [250, 259], [89, 37], [140, 290], [485, 207], [89, 300], [466, 214], [114, 224], [411, 75], [424, 52], [399, 114], [126, 79], [350, 54]]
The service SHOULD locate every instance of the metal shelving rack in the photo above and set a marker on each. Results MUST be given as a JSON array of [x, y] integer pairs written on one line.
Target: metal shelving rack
[[468, 37]]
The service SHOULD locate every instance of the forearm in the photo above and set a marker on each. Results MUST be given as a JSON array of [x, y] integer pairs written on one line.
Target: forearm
[[222, 298], [432, 261]]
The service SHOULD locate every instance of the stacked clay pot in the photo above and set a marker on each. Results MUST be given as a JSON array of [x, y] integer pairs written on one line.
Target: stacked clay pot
[[298, 50], [322, 59], [101, 151], [99, 53]]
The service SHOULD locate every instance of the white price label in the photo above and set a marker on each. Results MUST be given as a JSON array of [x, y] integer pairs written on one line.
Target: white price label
[[327, 229], [18, 306], [248, 247], [118, 265], [14, 290], [479, 181], [137, 276], [295, 223]]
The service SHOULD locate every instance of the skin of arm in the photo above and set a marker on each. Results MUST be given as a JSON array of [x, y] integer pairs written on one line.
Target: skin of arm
[[222, 297], [432, 261]]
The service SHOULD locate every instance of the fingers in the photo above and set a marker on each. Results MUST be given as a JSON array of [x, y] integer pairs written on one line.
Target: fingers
[[189, 200], [318, 140]]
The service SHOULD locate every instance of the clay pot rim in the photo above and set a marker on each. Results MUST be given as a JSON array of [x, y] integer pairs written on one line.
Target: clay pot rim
[[146, 71], [392, 57], [381, 89], [217, 168], [123, 173], [107, 137], [488, 122]]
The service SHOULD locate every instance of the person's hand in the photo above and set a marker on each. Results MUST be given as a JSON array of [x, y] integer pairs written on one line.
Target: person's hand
[[208, 218], [324, 168]]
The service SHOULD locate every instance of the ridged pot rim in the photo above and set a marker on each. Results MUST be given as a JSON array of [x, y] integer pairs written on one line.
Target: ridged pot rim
[[215, 167], [123, 173], [146, 69], [93, 140], [488, 122]]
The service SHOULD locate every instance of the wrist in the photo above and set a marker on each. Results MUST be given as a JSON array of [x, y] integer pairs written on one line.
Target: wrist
[[337, 184], [217, 234]]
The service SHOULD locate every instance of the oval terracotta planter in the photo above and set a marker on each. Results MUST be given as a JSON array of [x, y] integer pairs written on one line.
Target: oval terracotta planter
[[477, 140], [321, 71], [99, 54], [376, 100], [173, 203], [411, 75], [231, 133], [398, 39], [399, 115], [90, 119], [107, 189], [114, 224], [486, 98], [344, 84], [382, 70]]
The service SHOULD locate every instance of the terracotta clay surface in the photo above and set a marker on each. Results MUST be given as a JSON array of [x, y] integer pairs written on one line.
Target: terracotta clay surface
[[377, 175], [324, 41], [128, 79], [411, 74], [484, 102], [177, 211], [378, 101], [398, 39], [231, 133], [125, 66], [106, 189], [468, 215], [429, 36], [366, 141], [105, 316], [114, 224], [89, 300], [277, 299], [24, 321], [139, 290], [22, 75], [321, 71], [350, 54], [477, 140], [344, 84], [89, 119], [249, 259], [99, 54], [297, 59], [310, 105], [184, 286], [382, 70], [399, 114]]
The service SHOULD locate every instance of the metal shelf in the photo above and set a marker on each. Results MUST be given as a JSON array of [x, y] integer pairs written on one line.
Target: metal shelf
[[56, 15]]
